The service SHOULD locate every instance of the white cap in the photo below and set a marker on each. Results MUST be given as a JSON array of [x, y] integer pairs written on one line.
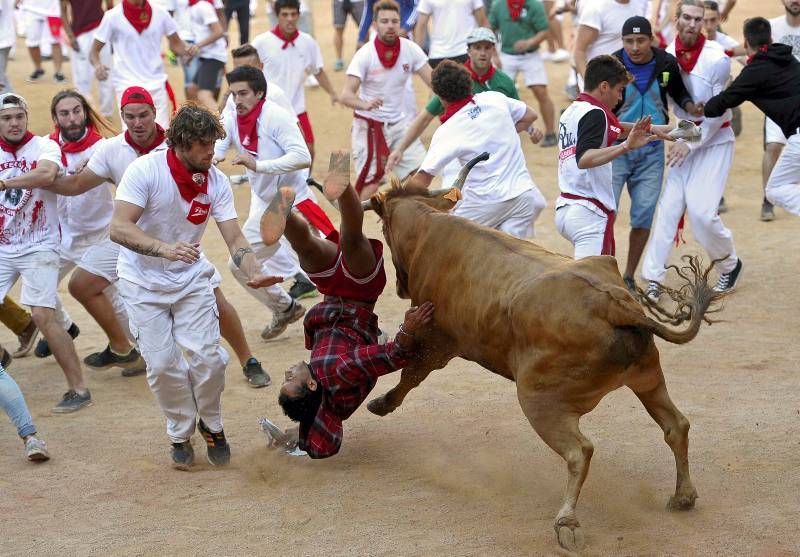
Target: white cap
[[12, 100], [481, 34]]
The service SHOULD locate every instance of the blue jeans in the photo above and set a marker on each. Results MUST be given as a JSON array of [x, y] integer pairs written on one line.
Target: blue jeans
[[13, 403], [643, 171]]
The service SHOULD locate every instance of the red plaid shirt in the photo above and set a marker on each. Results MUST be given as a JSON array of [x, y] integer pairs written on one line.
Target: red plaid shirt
[[346, 360]]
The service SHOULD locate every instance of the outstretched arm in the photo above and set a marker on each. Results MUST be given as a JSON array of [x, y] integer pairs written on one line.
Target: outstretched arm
[[76, 184], [40, 177], [125, 232], [242, 255]]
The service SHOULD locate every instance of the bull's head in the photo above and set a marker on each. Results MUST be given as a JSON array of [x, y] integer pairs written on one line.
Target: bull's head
[[401, 220]]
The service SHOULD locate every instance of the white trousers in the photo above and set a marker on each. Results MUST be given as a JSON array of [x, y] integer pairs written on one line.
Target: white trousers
[[783, 186], [412, 157], [83, 73], [515, 216], [168, 325], [696, 188], [583, 227]]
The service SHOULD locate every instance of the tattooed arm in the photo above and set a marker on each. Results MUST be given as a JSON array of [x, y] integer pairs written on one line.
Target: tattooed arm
[[242, 255], [125, 232]]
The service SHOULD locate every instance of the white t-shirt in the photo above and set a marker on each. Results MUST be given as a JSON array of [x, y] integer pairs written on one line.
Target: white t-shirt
[[785, 34], [452, 22], [282, 152], [607, 17], [274, 94], [28, 218], [202, 15], [137, 57], [289, 67], [88, 212], [183, 20], [488, 125], [148, 183], [380, 82], [8, 35], [726, 41], [113, 157], [46, 8]]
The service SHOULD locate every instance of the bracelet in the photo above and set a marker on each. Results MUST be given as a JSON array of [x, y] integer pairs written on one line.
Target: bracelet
[[402, 331]]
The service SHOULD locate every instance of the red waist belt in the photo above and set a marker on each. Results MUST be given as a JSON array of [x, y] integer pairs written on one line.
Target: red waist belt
[[725, 125], [377, 148], [609, 247]]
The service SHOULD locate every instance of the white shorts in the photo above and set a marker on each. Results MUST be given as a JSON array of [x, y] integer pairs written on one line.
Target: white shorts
[[583, 227], [530, 65], [37, 30], [412, 157], [515, 216], [773, 132], [101, 260], [39, 272]]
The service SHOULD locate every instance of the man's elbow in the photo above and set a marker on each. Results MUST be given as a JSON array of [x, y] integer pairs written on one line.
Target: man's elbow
[[116, 231], [48, 175]]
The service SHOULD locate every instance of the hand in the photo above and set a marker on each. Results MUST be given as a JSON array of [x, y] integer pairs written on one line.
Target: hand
[[262, 281], [522, 46], [334, 100], [101, 72], [699, 110], [374, 103], [181, 251], [417, 317], [535, 134], [394, 159], [245, 159], [192, 50], [73, 43], [640, 134], [678, 153]]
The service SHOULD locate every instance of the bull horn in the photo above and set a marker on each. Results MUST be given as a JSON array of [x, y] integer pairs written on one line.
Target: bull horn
[[462, 176], [366, 205]]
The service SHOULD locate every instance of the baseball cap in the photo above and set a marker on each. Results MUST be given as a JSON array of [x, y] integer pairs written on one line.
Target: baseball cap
[[12, 100], [480, 34], [136, 95], [637, 25]]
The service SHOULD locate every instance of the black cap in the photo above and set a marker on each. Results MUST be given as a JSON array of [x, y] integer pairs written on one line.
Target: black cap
[[637, 25]]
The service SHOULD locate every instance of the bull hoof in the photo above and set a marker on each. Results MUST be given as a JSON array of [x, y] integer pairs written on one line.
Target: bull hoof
[[569, 534], [379, 407], [682, 501]]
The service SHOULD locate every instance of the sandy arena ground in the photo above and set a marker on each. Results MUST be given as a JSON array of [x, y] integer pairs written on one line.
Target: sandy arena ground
[[457, 470]]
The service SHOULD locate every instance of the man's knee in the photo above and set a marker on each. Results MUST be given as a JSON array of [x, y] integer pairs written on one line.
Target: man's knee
[[83, 285], [43, 317]]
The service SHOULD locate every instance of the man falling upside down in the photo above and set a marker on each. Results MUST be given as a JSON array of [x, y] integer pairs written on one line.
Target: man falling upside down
[[341, 331]]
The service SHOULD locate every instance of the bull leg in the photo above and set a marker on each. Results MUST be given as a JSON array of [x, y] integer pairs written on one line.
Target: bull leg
[[410, 377], [676, 433], [557, 425]]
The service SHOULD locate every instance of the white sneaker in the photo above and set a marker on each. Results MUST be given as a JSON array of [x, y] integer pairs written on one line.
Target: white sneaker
[[687, 130], [238, 179], [36, 450], [282, 319], [311, 81], [546, 55], [560, 55]]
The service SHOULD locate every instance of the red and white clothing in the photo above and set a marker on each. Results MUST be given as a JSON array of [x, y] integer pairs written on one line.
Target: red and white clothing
[[42, 18], [376, 132], [696, 186], [137, 56], [452, 22], [487, 123], [29, 232], [171, 304], [86, 17], [289, 66]]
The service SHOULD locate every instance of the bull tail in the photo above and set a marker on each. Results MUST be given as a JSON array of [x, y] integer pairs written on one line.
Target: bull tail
[[695, 300]]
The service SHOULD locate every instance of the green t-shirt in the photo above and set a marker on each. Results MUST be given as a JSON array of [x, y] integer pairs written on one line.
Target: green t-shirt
[[499, 82], [531, 21]]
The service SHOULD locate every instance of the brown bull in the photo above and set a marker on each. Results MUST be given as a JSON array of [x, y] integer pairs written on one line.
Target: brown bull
[[567, 332]]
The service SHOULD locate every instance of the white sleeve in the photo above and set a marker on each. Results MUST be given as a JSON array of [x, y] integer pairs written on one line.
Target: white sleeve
[[222, 207], [229, 123], [50, 151], [169, 26], [419, 57], [720, 74], [437, 157], [516, 108], [359, 65], [477, 4], [286, 133], [105, 32], [98, 162], [208, 13], [133, 188], [424, 7], [592, 17]]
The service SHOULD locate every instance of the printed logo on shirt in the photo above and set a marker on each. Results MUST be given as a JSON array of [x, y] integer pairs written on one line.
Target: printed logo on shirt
[[14, 200], [565, 138], [474, 112], [406, 68], [198, 212]]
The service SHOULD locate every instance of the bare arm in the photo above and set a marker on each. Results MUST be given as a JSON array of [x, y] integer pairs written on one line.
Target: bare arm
[[66, 25], [349, 96], [100, 71], [421, 29], [424, 74], [177, 45], [423, 119], [527, 120], [76, 184], [40, 177], [325, 83], [638, 136], [480, 17], [586, 37], [242, 255], [125, 232]]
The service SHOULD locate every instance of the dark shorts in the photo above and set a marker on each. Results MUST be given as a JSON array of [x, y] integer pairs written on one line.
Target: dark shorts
[[340, 11], [433, 62], [208, 74]]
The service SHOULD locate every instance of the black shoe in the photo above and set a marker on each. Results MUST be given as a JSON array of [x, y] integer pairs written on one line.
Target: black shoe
[[303, 288], [549, 140], [727, 281], [255, 374], [59, 77], [35, 76], [108, 358], [182, 455], [5, 359], [722, 207], [219, 452], [72, 402], [630, 284], [43, 349]]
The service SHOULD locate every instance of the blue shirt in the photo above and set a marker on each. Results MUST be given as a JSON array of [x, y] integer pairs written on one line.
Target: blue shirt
[[642, 73], [408, 17]]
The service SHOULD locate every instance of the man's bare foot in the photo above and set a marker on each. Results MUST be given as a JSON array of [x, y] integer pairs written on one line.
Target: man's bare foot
[[273, 221], [338, 177]]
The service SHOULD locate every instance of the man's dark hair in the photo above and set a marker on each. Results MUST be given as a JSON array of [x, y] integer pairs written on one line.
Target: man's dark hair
[[194, 123], [711, 5], [245, 50], [605, 68], [385, 5], [303, 407], [757, 32], [252, 76], [451, 81], [291, 4]]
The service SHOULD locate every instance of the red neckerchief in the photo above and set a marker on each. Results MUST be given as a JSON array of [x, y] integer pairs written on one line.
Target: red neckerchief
[[247, 125], [482, 79], [387, 53], [158, 139], [614, 127], [138, 16], [454, 107], [515, 8], [193, 2], [14, 147], [763, 48], [190, 184], [687, 56], [287, 41], [89, 138]]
